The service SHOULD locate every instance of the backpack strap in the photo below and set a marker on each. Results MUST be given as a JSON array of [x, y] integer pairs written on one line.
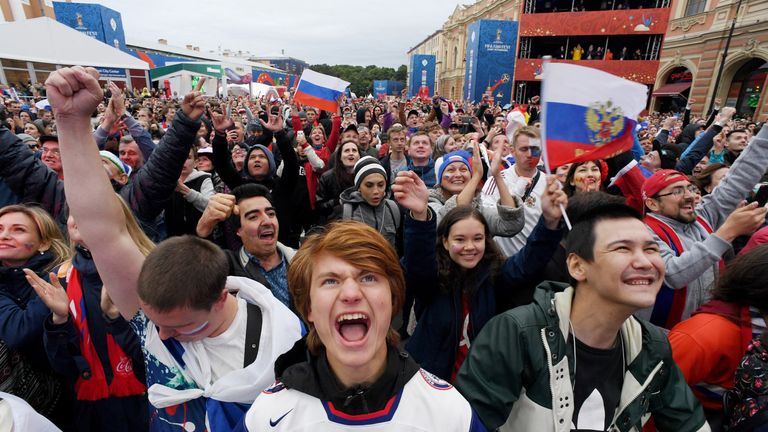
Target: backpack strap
[[346, 213], [395, 210], [252, 334]]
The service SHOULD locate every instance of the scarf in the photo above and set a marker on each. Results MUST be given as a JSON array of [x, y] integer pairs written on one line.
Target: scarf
[[124, 382], [670, 303]]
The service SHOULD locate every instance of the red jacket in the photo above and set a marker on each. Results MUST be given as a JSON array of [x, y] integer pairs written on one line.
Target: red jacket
[[323, 153], [708, 347]]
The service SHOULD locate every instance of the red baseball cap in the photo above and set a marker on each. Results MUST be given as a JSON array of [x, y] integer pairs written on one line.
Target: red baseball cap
[[659, 180]]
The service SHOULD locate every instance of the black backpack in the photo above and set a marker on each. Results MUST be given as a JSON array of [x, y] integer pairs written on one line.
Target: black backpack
[[746, 405]]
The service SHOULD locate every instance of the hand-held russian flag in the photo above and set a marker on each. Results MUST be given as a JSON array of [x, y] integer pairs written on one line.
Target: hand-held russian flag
[[319, 91], [588, 114]]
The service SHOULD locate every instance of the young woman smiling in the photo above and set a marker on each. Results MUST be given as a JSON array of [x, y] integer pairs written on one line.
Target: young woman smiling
[[29, 239], [460, 183], [456, 273]]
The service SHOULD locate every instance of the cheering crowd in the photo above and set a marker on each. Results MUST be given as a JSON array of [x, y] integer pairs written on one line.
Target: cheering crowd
[[247, 264]]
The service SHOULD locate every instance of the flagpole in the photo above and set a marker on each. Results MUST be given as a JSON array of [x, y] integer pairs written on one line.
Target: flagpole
[[547, 169]]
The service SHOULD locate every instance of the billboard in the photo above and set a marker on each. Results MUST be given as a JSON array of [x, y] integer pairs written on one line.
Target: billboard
[[490, 65], [422, 76], [96, 21], [383, 88]]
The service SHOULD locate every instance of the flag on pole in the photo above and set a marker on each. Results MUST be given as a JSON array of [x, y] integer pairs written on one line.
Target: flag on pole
[[588, 114], [319, 91]]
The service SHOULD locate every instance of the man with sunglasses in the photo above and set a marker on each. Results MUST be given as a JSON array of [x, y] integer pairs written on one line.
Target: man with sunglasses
[[693, 238]]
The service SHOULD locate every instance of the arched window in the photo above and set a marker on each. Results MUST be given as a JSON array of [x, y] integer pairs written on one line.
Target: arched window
[[455, 57], [747, 86]]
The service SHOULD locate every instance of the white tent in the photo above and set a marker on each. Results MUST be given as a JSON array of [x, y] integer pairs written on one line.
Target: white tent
[[48, 41]]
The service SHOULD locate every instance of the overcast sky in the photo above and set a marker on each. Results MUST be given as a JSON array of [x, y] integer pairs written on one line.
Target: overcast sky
[[331, 31]]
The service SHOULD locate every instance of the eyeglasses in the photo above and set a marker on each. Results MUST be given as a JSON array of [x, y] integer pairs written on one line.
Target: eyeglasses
[[680, 191]]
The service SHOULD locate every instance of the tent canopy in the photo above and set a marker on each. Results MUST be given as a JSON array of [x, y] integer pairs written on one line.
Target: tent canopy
[[672, 89], [210, 70], [49, 41]]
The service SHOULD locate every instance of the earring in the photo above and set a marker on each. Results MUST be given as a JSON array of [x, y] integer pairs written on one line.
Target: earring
[[42, 252]]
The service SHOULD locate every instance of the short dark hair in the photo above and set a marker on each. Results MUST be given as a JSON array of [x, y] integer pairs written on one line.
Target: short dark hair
[[585, 211], [246, 191], [183, 271], [733, 131], [745, 281], [252, 190]]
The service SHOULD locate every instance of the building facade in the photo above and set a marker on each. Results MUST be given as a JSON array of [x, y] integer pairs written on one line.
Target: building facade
[[693, 57], [18, 10], [449, 44], [429, 46], [451, 58], [621, 37]]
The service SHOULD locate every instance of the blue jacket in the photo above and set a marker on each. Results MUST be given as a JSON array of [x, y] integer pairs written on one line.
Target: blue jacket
[[22, 313], [436, 339], [426, 173]]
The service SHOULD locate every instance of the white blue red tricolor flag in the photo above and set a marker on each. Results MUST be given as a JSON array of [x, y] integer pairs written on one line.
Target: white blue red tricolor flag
[[588, 114], [319, 91]]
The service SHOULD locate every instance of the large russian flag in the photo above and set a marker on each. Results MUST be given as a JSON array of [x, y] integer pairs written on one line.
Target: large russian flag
[[588, 114], [319, 91]]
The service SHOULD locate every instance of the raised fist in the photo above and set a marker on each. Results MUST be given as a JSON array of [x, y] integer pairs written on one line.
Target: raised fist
[[74, 92]]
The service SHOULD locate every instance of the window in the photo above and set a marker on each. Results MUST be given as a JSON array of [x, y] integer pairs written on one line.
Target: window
[[695, 7], [455, 57]]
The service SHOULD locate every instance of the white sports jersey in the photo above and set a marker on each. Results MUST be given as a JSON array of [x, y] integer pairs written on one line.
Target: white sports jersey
[[426, 403]]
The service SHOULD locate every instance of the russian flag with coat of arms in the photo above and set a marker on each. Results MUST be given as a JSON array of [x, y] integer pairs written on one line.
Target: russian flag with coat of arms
[[588, 114], [319, 91]]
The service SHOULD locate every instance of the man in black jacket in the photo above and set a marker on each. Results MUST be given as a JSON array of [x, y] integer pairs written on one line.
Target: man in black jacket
[[147, 193]]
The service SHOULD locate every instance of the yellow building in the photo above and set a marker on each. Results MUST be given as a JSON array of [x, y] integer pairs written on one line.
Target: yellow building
[[693, 53], [449, 44]]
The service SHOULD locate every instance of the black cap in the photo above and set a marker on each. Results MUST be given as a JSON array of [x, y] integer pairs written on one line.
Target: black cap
[[350, 127]]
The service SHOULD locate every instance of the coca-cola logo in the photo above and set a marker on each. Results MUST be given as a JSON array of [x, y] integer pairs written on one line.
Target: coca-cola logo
[[124, 366]]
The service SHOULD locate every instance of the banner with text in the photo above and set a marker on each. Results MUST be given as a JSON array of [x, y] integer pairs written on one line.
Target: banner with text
[[422, 76], [490, 60], [99, 22]]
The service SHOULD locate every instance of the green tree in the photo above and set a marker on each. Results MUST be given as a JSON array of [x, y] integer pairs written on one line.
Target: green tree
[[361, 78]]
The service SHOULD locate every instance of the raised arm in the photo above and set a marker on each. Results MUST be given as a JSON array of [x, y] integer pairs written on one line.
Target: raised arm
[[29, 178], [420, 233], [75, 93], [222, 158], [335, 134]]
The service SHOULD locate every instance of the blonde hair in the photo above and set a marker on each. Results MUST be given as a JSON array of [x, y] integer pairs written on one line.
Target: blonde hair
[[529, 131], [47, 230], [143, 242]]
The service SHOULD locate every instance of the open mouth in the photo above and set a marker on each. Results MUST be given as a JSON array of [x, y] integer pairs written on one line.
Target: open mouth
[[640, 280], [267, 234], [353, 327]]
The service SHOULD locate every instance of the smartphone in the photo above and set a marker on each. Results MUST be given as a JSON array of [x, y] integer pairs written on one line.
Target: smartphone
[[229, 111], [466, 119], [300, 136], [762, 195]]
